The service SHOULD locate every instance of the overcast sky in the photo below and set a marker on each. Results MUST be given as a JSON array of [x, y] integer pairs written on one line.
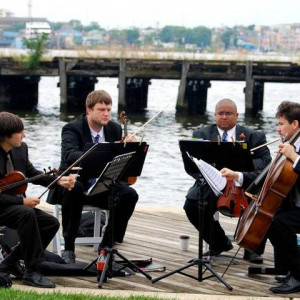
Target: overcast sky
[[143, 13]]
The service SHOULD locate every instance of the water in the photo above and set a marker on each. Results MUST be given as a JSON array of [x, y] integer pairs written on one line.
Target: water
[[163, 181]]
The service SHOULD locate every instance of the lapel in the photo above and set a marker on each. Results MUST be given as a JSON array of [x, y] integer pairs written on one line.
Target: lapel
[[87, 137], [214, 134]]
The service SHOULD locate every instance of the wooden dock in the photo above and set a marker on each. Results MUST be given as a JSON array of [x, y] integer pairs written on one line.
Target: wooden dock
[[154, 232]]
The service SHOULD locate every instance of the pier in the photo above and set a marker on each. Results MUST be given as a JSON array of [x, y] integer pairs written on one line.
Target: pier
[[154, 232], [78, 75]]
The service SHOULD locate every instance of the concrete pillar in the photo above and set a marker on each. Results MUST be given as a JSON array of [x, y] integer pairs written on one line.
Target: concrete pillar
[[78, 87], [258, 95], [62, 84], [122, 84], [249, 88], [196, 95], [136, 93], [19, 92], [181, 105]]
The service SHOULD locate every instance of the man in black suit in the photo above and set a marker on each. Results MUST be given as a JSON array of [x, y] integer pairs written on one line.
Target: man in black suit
[[286, 222], [35, 228], [226, 129], [94, 126]]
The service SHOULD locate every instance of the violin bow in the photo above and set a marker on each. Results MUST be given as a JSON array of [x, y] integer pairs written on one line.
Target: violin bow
[[68, 169], [157, 114]]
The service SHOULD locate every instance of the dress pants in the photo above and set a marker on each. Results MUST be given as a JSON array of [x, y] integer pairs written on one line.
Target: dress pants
[[35, 228], [73, 201], [213, 234], [282, 235]]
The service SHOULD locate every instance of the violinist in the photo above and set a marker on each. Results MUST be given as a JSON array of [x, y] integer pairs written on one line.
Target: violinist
[[94, 126], [286, 222], [35, 228], [226, 130]]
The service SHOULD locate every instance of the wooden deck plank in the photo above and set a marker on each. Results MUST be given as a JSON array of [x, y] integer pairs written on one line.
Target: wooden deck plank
[[154, 232]]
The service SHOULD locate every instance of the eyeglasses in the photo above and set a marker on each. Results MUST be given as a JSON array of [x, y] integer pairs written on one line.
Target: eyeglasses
[[225, 113]]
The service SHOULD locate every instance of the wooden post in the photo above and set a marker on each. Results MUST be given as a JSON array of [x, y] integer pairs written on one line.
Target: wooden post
[[63, 84], [122, 83], [249, 88], [181, 105]]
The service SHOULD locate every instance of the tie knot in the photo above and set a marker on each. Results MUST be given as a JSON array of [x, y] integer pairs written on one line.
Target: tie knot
[[97, 138], [225, 136]]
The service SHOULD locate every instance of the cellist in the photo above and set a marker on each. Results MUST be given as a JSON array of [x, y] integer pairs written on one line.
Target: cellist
[[286, 222]]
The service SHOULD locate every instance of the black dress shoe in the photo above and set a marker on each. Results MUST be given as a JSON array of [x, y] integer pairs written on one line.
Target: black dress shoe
[[291, 285], [38, 280], [255, 258], [15, 269], [217, 252], [68, 256], [282, 278]]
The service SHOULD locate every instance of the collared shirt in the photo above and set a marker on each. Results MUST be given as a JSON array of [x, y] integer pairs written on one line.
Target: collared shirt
[[100, 133], [230, 133]]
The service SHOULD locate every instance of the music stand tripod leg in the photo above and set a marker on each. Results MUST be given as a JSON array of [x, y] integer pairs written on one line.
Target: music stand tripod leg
[[200, 261]]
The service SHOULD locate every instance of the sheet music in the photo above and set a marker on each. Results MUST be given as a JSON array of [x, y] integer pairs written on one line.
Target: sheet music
[[212, 175]]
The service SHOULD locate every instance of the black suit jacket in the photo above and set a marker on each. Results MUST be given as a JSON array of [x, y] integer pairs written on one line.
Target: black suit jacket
[[21, 162], [261, 157], [75, 135]]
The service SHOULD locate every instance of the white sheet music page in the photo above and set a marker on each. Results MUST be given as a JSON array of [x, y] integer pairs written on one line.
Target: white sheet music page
[[213, 176]]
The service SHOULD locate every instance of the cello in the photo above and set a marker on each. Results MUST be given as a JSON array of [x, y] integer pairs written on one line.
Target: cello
[[256, 220]]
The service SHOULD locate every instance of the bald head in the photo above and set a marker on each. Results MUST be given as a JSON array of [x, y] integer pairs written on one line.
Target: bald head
[[226, 114]]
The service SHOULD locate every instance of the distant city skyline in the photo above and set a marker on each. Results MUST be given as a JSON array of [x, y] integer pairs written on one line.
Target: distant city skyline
[[159, 13]]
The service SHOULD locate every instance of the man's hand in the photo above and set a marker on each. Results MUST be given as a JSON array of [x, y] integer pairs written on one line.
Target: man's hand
[[130, 138], [229, 174], [288, 151], [31, 201], [67, 182]]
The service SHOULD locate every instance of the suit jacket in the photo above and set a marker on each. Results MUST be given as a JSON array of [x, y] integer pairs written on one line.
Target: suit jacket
[[75, 135], [261, 157], [20, 159]]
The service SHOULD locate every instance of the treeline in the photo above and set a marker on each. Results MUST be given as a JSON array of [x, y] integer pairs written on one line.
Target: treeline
[[200, 36]]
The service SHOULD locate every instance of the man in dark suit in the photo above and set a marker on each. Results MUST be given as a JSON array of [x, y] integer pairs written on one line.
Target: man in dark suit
[[35, 228], [227, 130], [94, 126], [286, 222]]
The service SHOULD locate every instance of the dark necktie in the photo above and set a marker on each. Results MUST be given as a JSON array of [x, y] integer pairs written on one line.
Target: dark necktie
[[225, 136], [97, 138], [9, 164]]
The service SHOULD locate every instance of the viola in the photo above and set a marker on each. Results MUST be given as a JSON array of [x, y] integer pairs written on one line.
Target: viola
[[124, 120], [255, 221], [15, 182], [233, 202]]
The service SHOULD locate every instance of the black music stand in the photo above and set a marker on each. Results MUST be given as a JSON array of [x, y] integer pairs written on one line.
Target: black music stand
[[203, 262], [218, 155], [109, 180]]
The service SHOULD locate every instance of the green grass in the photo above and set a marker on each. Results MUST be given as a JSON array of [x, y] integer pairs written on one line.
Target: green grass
[[9, 294]]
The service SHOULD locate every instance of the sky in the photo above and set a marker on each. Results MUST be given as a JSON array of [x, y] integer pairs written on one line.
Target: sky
[[159, 13]]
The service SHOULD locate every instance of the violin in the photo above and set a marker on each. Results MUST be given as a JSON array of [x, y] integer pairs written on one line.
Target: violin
[[124, 120], [255, 221], [233, 201], [15, 182]]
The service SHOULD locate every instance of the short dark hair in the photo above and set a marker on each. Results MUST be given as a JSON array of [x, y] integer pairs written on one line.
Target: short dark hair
[[9, 124], [289, 110], [95, 97]]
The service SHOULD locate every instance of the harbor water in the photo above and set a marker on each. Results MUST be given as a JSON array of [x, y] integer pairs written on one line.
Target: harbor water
[[164, 181]]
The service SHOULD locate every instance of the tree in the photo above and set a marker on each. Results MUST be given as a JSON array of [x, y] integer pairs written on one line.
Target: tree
[[92, 26], [132, 36], [76, 24], [201, 36], [226, 37], [37, 47]]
